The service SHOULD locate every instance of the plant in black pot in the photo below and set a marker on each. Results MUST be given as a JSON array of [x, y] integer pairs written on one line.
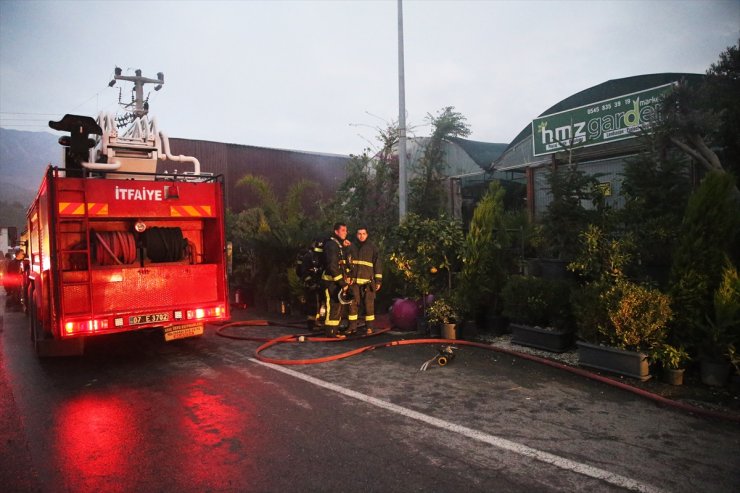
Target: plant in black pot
[[540, 312], [721, 332], [487, 261]]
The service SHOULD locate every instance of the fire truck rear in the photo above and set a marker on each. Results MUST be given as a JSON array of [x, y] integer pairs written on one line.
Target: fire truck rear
[[114, 246]]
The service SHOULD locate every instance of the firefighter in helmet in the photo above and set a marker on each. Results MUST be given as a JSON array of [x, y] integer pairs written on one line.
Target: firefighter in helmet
[[337, 280], [309, 268], [368, 271]]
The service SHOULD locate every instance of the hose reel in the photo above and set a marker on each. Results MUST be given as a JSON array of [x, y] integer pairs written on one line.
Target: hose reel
[[164, 244]]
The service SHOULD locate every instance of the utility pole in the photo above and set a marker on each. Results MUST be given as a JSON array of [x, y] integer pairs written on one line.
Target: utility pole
[[401, 120], [140, 107]]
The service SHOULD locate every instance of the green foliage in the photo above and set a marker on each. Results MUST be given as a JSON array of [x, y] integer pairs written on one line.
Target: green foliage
[[442, 311], [487, 255], [422, 248], [609, 308], [656, 189], [709, 229], [427, 196], [670, 357], [591, 310], [566, 215], [267, 238], [538, 302], [721, 332], [622, 314], [639, 318], [369, 194], [703, 119], [721, 95], [601, 258]]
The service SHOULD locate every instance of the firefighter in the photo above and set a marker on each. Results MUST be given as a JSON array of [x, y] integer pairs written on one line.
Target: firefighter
[[6, 260], [336, 279], [13, 280], [368, 271], [309, 268]]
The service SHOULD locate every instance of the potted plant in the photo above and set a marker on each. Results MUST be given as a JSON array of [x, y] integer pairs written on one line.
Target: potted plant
[[424, 253], [487, 261], [444, 313], [672, 360], [620, 322], [721, 330], [540, 312]]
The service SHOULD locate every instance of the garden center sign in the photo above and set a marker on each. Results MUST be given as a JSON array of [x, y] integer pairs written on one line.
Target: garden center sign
[[607, 121]]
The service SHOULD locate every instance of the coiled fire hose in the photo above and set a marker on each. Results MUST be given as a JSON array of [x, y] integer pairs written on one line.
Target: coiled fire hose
[[293, 338], [115, 247]]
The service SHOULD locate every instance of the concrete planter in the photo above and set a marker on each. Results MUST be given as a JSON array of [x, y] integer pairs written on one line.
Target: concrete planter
[[557, 341], [628, 363]]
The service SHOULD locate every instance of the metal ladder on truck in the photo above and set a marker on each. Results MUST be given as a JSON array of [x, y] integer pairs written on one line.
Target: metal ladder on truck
[[74, 249]]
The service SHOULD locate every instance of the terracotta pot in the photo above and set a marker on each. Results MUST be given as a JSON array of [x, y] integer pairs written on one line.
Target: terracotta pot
[[673, 376], [449, 331]]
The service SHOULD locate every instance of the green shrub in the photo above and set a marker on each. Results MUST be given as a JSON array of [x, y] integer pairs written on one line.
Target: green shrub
[[425, 252], [487, 258], [538, 302], [442, 311], [622, 314], [591, 311], [721, 331], [669, 356], [709, 229], [639, 318]]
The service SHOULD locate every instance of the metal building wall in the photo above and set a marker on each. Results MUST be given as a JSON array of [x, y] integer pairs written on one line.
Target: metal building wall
[[281, 168]]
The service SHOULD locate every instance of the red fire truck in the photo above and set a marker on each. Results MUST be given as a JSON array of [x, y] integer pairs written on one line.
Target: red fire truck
[[114, 246]]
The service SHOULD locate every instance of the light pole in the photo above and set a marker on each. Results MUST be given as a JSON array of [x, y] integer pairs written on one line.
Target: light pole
[[401, 120]]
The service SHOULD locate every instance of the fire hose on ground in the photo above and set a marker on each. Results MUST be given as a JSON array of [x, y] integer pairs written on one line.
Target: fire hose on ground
[[311, 337]]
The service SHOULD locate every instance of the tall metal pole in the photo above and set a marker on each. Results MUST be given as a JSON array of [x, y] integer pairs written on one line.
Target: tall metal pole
[[401, 120]]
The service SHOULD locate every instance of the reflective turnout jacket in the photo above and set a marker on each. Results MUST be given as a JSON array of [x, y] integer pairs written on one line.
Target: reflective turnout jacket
[[366, 263], [334, 268]]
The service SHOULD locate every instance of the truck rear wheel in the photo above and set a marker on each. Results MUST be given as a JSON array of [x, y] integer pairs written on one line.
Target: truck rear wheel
[[46, 346]]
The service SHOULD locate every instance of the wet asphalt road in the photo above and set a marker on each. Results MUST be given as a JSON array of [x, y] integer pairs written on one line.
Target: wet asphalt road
[[136, 414]]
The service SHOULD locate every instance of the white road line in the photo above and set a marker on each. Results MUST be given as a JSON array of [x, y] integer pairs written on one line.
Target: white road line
[[502, 443]]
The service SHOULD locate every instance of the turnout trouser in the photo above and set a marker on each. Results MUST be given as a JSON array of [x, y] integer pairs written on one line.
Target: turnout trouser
[[364, 301], [333, 309], [312, 306]]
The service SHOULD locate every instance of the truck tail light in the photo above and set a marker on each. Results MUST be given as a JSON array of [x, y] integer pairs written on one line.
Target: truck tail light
[[209, 312], [86, 326]]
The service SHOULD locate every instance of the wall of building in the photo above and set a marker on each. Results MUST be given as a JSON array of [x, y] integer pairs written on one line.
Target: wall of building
[[279, 167]]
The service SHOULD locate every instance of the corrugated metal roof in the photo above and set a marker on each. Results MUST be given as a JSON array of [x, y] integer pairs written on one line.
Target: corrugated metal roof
[[483, 153]]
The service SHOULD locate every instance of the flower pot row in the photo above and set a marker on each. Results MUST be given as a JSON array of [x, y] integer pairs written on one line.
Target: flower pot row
[[633, 364]]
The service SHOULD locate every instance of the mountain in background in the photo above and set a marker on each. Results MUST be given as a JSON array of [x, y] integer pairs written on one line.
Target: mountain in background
[[24, 157]]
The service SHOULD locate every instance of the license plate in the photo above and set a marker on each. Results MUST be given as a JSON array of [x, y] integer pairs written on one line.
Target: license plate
[[150, 318], [183, 331]]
